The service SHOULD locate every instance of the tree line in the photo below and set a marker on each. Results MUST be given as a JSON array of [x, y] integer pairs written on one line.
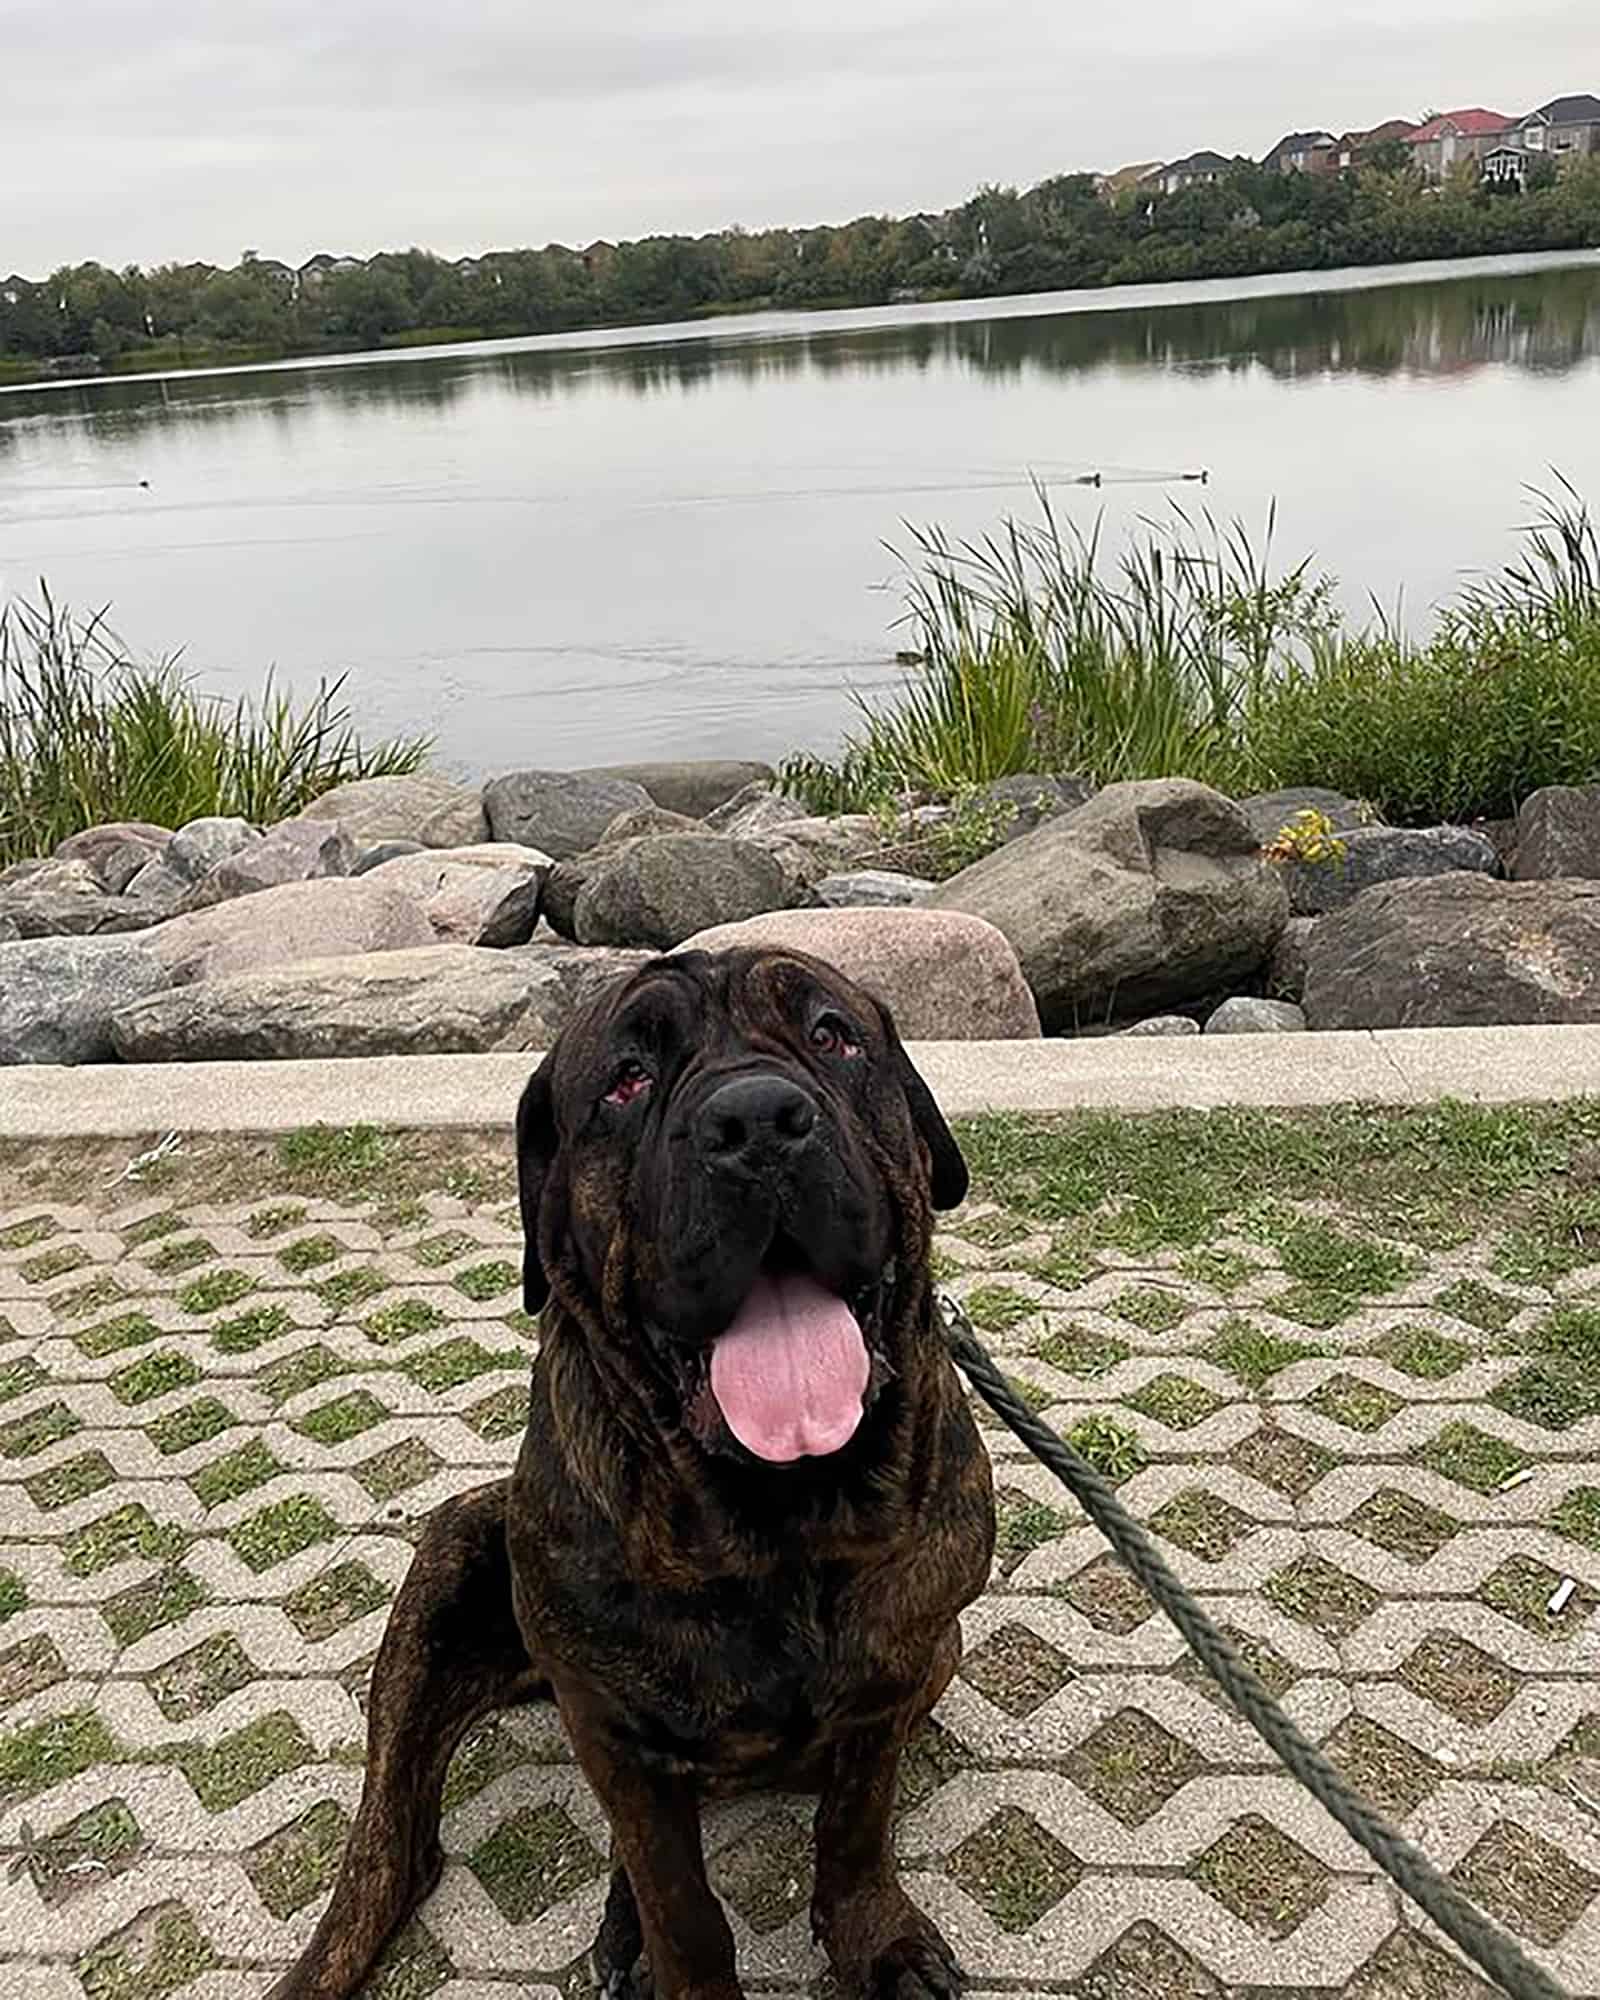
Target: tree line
[[1062, 234]]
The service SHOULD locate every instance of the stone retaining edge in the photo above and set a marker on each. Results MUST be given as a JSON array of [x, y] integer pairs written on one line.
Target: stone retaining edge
[[1411, 1066]]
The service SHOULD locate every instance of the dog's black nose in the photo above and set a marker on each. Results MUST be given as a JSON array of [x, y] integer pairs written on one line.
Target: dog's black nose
[[755, 1119]]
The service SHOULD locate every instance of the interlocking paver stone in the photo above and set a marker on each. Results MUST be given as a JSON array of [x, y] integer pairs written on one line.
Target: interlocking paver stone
[[227, 1402]]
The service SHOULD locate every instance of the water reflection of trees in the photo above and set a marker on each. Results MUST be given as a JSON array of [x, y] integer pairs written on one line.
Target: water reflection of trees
[[1548, 323]]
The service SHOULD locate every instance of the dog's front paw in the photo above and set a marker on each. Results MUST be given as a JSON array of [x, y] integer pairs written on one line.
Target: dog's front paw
[[920, 1966]]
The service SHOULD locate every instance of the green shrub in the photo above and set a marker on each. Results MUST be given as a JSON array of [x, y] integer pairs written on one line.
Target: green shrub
[[89, 734]]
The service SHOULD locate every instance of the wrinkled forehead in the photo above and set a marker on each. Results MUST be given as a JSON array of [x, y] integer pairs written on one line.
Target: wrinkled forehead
[[717, 1002]]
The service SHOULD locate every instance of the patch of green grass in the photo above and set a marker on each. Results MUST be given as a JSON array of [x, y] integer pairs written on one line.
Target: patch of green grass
[[333, 1600], [397, 1469], [196, 1423], [1111, 1446], [502, 1415], [294, 1865], [1423, 1352], [1175, 1401], [443, 1248], [333, 1159], [1578, 1516], [239, 1765], [1572, 1332], [179, 1253], [1471, 1457], [127, 1532], [534, 1860], [286, 1528], [157, 1955], [1553, 1393], [1023, 1524], [401, 1321], [64, 1484], [1201, 1523], [1316, 1306], [1479, 1305], [251, 1329], [18, 1377], [150, 1227], [454, 1362], [291, 1374], [129, 1329], [487, 1281], [1358, 1405], [342, 1419], [1252, 1353], [487, 1754], [1077, 1351], [54, 1263], [30, 1230], [307, 1252], [13, 1594], [1014, 1867], [1316, 1593], [239, 1471], [1064, 1267], [45, 1754], [1222, 1270], [1537, 1257], [163, 1600], [263, 1223], [154, 1375], [997, 1308], [346, 1290], [91, 1297], [215, 1289], [47, 1425], [1150, 1307]]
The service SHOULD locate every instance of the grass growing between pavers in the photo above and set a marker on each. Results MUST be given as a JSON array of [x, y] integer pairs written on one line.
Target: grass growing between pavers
[[1340, 1329]]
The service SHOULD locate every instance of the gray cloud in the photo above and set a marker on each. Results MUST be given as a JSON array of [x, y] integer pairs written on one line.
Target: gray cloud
[[129, 130]]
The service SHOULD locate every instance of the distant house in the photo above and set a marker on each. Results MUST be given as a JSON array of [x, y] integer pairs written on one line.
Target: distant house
[[1356, 148], [1506, 164], [1304, 153], [1198, 170], [1128, 177], [318, 270], [1457, 136], [1566, 127], [599, 256]]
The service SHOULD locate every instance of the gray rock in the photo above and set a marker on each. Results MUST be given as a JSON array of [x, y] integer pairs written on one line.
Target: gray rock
[[486, 895], [463, 824], [58, 877], [328, 918], [1027, 798], [873, 888], [1152, 894], [812, 849], [68, 913], [944, 977], [397, 808], [443, 999], [1375, 854], [1163, 1024], [754, 810], [558, 901], [58, 994], [643, 820], [300, 850], [663, 889], [368, 858], [1452, 951], [117, 851], [8, 931], [693, 788], [1558, 834], [1286, 969], [1270, 812], [1246, 1015], [561, 813], [194, 850]]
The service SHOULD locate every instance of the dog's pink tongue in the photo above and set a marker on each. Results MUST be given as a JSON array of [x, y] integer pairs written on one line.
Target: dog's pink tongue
[[789, 1374]]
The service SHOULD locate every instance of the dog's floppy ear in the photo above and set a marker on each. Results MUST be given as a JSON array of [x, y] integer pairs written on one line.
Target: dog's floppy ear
[[536, 1152], [949, 1186]]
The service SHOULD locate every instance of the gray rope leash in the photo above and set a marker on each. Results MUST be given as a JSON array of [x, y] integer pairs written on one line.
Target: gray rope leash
[[1406, 1865]]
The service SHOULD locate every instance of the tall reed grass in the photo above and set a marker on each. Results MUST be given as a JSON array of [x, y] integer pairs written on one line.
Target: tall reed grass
[[1193, 653], [89, 733]]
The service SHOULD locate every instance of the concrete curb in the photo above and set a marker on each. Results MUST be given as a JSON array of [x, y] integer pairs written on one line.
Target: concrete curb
[[1415, 1066]]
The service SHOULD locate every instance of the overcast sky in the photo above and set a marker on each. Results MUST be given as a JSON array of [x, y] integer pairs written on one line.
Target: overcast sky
[[136, 130]]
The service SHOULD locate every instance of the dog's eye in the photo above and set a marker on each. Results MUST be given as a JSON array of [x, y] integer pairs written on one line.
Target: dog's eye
[[631, 1081], [834, 1037]]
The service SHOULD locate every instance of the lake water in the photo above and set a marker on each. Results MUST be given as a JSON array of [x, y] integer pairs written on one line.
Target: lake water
[[671, 541]]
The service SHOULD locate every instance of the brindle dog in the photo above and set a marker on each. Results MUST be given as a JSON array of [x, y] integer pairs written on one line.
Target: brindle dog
[[751, 1500]]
